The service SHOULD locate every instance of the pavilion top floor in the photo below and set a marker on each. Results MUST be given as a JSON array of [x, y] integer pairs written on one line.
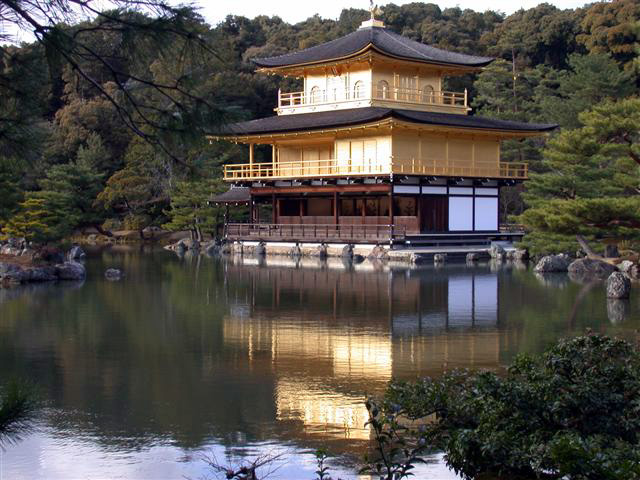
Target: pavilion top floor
[[372, 66]]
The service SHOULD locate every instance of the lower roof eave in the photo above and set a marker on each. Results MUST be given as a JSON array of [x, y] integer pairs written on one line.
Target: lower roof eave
[[273, 128]]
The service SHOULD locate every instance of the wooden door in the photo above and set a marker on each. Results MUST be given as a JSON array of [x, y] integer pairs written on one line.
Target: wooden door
[[434, 213]]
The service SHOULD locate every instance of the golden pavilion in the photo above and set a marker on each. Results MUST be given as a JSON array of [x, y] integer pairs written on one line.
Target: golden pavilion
[[372, 149]]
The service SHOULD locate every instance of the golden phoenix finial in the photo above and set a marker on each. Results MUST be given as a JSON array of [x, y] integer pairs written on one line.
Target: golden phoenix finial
[[373, 10]]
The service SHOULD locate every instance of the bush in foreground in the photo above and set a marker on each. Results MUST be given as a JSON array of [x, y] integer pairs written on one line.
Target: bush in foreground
[[572, 413]]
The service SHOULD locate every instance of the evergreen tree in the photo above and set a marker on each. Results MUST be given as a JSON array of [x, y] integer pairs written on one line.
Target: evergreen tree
[[139, 191], [34, 221], [591, 183], [589, 80], [10, 192], [613, 28], [191, 210]]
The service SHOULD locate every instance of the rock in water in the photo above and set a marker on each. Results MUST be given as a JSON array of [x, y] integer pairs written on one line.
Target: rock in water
[[347, 251], [439, 258], [260, 249], [379, 253], [496, 251], [618, 285], [322, 251], [71, 271], [113, 274], [521, 255], [630, 268], [8, 268], [12, 274], [76, 253], [472, 257], [41, 274], [586, 269], [625, 266], [553, 263], [9, 249], [295, 251], [417, 259]]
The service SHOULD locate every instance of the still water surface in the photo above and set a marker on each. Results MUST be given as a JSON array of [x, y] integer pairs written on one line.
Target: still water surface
[[188, 359]]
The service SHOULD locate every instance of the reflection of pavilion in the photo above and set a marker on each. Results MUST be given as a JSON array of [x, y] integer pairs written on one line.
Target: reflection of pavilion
[[331, 335]]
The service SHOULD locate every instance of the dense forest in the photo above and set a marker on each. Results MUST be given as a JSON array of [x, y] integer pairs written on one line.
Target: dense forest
[[103, 122]]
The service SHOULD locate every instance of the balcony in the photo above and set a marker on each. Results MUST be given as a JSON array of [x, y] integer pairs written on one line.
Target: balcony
[[366, 95], [352, 167]]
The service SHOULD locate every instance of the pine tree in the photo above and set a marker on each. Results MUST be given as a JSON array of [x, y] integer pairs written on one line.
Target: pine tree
[[65, 202], [139, 191], [10, 193], [33, 221], [591, 184], [590, 80], [191, 209]]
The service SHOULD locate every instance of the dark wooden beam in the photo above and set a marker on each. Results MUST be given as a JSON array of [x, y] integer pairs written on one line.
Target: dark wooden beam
[[365, 188]]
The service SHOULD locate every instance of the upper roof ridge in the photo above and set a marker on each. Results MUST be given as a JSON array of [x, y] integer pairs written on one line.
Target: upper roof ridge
[[383, 40]]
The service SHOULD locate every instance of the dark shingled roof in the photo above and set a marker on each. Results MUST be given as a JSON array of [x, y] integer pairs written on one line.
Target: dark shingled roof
[[358, 116], [233, 195], [382, 40]]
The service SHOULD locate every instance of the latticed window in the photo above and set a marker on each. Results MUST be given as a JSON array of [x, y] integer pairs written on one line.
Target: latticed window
[[358, 89], [315, 95], [383, 89], [427, 94]]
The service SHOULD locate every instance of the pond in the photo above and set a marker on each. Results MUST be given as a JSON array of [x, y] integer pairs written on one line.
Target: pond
[[227, 359]]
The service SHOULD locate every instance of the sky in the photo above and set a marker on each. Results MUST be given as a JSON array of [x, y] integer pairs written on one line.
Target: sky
[[293, 11]]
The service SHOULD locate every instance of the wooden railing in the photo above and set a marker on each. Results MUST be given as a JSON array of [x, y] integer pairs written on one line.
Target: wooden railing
[[463, 169], [347, 167], [365, 92], [317, 232], [302, 168]]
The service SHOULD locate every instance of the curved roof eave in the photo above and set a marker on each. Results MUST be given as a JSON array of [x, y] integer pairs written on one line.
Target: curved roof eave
[[308, 122], [364, 50], [386, 42]]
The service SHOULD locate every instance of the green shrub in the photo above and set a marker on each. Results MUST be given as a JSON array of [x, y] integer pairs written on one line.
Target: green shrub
[[572, 413], [112, 224]]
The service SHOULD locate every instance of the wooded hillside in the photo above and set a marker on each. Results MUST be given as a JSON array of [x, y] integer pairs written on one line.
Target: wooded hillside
[[103, 123]]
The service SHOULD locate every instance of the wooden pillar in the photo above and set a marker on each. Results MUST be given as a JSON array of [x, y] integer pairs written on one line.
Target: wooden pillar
[[274, 158], [251, 159], [274, 209], [257, 210], [335, 207], [251, 210], [391, 219], [226, 220], [419, 210]]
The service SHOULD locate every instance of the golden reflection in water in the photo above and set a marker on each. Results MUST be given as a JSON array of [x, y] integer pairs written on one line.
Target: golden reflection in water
[[335, 334], [322, 411]]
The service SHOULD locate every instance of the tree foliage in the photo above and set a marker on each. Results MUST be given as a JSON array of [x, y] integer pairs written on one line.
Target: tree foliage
[[591, 179], [94, 80], [613, 28], [191, 209]]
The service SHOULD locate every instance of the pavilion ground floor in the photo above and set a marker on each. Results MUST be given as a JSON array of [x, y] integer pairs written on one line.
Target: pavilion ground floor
[[374, 212]]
